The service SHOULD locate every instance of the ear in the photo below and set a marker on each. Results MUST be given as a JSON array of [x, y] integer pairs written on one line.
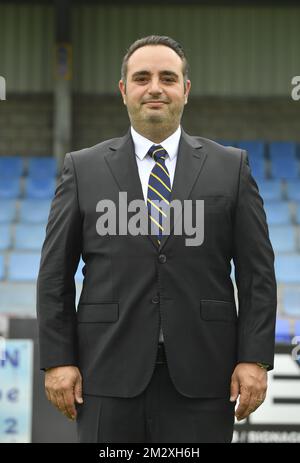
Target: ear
[[122, 87], [187, 90]]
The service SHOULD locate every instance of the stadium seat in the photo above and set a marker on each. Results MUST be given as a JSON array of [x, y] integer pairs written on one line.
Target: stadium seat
[[270, 190], [42, 167], [282, 149], [40, 188], [34, 210], [29, 237], [287, 268], [278, 213], [285, 168], [258, 168], [5, 237], [254, 148], [297, 328], [23, 266], [7, 210], [282, 331], [293, 190], [9, 187], [11, 166], [284, 162], [283, 238], [1, 267], [291, 301]]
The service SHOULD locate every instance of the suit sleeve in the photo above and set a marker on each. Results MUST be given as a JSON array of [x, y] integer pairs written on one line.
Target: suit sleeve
[[56, 288], [254, 272]]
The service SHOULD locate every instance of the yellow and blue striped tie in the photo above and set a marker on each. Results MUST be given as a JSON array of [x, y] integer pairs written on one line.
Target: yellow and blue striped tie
[[159, 190]]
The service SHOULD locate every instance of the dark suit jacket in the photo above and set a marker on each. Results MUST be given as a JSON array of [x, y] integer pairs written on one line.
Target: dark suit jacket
[[130, 284]]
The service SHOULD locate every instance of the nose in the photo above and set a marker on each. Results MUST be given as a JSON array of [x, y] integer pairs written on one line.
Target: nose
[[154, 87]]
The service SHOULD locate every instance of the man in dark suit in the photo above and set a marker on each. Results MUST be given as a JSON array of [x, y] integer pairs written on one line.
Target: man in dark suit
[[156, 351]]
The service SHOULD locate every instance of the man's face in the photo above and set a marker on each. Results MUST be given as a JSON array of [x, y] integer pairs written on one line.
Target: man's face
[[154, 92]]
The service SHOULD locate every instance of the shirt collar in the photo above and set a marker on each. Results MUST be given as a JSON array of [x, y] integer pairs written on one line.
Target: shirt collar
[[142, 144]]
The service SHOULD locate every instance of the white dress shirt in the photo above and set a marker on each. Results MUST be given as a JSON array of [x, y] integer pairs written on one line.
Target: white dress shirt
[[146, 163]]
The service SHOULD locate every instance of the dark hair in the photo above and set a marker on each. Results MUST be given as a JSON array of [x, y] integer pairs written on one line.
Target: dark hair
[[155, 40]]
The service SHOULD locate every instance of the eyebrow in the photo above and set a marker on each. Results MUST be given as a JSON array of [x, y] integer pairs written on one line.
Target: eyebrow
[[145, 72]]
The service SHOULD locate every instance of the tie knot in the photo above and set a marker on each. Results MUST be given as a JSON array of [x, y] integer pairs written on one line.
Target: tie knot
[[157, 152]]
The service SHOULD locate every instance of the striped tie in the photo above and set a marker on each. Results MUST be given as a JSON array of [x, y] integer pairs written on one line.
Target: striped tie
[[159, 190]]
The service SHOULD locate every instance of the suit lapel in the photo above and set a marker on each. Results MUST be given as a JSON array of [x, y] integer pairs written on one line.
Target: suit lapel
[[122, 163]]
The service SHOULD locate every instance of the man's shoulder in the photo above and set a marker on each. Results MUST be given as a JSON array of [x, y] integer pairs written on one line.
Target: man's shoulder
[[96, 150], [212, 146]]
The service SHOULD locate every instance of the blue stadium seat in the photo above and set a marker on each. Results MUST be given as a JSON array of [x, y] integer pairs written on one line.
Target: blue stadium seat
[[40, 188], [284, 162], [42, 167], [278, 213], [34, 210], [282, 149], [270, 190], [7, 210], [287, 268], [283, 238], [9, 187], [291, 301], [11, 166], [5, 237], [254, 148], [283, 331], [285, 168], [258, 168], [29, 237], [1, 267], [79, 275], [297, 328], [293, 190], [23, 266]]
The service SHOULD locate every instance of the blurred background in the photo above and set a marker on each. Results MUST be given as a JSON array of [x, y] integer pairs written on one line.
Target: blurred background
[[61, 64]]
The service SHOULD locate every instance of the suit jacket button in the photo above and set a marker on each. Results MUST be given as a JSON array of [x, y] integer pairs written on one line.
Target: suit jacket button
[[162, 258], [155, 299]]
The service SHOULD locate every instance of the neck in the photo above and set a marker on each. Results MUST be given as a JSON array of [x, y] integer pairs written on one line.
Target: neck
[[155, 134]]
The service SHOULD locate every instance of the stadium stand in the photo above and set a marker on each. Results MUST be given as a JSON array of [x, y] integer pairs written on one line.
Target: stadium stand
[[270, 190], [7, 210], [42, 167], [10, 187], [27, 187], [34, 210], [11, 167]]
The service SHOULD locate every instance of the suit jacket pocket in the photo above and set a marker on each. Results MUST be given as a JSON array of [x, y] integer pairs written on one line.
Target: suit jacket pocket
[[104, 312], [221, 311]]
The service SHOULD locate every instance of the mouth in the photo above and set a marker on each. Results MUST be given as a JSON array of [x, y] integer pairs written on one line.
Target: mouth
[[155, 104]]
